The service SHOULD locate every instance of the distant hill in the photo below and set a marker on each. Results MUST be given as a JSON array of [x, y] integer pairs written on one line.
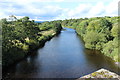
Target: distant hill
[[40, 21]]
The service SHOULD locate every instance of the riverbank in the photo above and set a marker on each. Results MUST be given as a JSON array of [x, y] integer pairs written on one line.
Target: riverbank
[[98, 33], [23, 36], [42, 41], [61, 58], [115, 61]]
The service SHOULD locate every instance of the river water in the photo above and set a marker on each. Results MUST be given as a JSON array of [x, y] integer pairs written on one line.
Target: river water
[[64, 56]]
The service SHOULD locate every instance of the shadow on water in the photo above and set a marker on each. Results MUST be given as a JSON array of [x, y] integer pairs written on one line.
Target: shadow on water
[[64, 56], [97, 59]]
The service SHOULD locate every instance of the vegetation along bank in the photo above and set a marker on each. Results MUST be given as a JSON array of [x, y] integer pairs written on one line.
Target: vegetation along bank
[[23, 35], [20, 36], [98, 33]]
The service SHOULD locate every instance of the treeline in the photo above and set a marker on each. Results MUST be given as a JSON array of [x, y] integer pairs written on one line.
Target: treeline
[[20, 36], [98, 33]]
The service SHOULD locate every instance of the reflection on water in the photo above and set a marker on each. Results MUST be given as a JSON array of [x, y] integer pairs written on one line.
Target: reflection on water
[[64, 56]]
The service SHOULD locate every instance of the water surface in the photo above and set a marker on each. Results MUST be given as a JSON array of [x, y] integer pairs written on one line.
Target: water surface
[[64, 56]]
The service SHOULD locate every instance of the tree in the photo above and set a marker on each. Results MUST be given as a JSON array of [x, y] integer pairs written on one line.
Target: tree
[[81, 29], [12, 18], [57, 27], [114, 30], [111, 49]]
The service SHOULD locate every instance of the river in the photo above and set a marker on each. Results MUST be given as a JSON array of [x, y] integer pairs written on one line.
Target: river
[[64, 56]]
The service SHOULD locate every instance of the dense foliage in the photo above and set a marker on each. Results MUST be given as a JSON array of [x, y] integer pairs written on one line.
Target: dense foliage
[[20, 36], [98, 33], [23, 35]]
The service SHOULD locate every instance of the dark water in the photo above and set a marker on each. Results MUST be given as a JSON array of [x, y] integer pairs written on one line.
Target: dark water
[[64, 56]]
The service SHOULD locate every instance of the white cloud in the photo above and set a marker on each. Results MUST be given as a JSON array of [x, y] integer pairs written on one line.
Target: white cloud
[[29, 9], [18, 17], [112, 7], [81, 9], [36, 10], [30, 1], [98, 9], [94, 10]]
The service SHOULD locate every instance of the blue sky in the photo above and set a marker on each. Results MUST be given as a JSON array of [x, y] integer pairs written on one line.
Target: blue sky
[[42, 10]]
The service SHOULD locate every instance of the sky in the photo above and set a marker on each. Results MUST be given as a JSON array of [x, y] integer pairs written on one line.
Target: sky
[[47, 10]]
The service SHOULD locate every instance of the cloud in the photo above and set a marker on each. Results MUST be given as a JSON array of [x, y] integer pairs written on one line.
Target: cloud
[[29, 9], [98, 9], [56, 9], [93, 10], [29, 1], [80, 10], [112, 8]]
